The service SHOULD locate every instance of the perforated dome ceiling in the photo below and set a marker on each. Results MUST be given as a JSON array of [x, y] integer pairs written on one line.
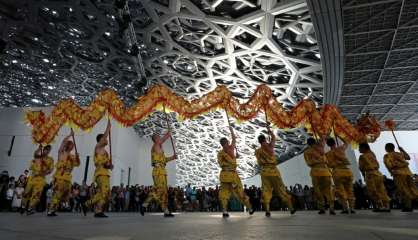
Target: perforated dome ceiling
[[381, 71], [57, 49]]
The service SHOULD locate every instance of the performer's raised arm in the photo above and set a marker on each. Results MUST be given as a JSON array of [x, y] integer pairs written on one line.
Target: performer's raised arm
[[166, 137], [272, 142], [37, 152], [103, 138], [64, 144]]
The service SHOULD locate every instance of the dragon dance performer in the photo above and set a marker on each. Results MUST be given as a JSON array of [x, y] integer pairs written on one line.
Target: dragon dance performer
[[342, 175], [270, 176], [230, 181], [103, 166], [159, 174], [320, 174], [41, 165], [369, 168], [62, 177], [396, 163]]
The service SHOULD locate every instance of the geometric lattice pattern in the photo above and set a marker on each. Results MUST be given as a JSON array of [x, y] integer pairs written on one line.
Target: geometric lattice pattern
[[57, 49], [61, 49], [240, 44], [381, 61]]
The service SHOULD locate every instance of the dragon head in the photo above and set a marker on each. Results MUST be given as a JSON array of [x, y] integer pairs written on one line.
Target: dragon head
[[368, 128]]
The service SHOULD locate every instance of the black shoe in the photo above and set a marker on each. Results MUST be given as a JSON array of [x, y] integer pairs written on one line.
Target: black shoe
[[251, 212], [352, 212], [22, 210], [168, 215], [407, 210], [322, 211], [100, 215], [52, 214], [331, 212], [293, 211], [385, 210], [377, 210], [30, 212], [225, 215], [142, 210], [268, 214], [343, 212]]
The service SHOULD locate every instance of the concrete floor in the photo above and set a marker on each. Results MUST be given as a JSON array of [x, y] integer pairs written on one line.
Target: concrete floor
[[191, 226]]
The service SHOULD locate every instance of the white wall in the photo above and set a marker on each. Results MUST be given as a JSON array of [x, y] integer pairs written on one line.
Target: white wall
[[128, 150], [407, 139]]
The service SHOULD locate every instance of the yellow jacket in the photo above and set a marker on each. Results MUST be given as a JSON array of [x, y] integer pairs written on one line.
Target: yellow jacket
[[226, 162], [65, 167], [267, 162], [338, 162], [158, 160], [101, 161], [41, 169], [368, 164], [229, 166], [317, 162], [396, 164]]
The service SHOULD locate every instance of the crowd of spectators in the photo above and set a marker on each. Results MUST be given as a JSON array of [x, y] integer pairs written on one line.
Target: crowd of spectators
[[189, 198]]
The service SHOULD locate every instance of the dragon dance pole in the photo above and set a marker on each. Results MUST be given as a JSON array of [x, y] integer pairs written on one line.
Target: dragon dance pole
[[390, 124], [335, 133], [75, 145], [110, 142], [394, 136], [169, 129]]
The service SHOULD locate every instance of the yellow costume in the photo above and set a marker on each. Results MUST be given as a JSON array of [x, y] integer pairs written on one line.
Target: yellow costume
[[398, 166], [102, 179], [342, 176], [62, 180], [374, 180], [230, 181], [321, 177], [36, 182], [271, 180], [159, 176]]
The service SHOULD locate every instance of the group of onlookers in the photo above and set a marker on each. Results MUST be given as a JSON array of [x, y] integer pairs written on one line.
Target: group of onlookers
[[189, 198]]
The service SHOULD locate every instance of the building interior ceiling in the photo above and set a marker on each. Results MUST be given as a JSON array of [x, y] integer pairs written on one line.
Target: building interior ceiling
[[381, 60], [55, 49]]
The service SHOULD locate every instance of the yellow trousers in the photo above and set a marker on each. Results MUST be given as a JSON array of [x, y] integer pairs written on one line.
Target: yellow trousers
[[274, 184], [33, 192], [62, 189], [405, 186], [322, 190], [234, 187], [102, 193], [344, 191], [159, 191], [377, 191]]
